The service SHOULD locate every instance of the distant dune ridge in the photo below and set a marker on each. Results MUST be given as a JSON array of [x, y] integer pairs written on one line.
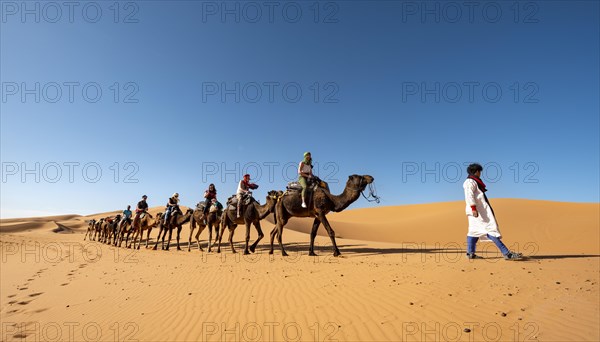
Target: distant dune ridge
[[402, 276]]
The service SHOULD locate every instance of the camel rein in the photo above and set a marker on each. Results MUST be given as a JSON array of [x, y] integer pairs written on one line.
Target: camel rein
[[372, 194]]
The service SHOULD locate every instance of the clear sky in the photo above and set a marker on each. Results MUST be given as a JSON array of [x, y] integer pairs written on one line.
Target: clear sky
[[168, 96]]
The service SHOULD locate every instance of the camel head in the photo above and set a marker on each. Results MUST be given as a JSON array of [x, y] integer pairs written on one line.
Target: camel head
[[359, 182], [272, 197]]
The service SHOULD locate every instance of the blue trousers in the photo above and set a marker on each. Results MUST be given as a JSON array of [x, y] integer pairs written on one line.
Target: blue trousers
[[167, 214], [472, 241]]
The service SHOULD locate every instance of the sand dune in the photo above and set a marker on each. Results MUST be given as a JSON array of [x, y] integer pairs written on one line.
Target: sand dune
[[402, 277]]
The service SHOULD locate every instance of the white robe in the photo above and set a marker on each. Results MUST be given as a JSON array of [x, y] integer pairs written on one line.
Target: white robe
[[485, 223]]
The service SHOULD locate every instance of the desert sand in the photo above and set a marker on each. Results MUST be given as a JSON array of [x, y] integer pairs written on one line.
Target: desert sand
[[402, 276]]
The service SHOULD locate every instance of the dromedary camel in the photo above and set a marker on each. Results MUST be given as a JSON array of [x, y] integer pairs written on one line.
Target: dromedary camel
[[145, 223], [111, 229], [212, 221], [104, 229], [90, 229], [252, 214], [176, 220], [322, 202], [98, 229], [125, 229]]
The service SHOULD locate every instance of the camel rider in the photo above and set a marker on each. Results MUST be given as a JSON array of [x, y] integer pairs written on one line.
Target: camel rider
[[217, 204], [126, 215], [305, 174], [209, 195], [172, 205], [244, 187], [141, 208]]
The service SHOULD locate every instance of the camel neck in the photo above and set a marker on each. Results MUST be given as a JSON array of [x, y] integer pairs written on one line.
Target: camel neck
[[347, 197]]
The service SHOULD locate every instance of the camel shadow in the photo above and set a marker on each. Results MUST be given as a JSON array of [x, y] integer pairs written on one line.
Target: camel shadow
[[350, 249]]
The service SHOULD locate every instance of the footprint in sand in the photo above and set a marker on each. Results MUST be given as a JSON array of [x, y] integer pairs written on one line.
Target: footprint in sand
[[35, 294], [12, 302], [10, 296], [23, 302], [65, 284]]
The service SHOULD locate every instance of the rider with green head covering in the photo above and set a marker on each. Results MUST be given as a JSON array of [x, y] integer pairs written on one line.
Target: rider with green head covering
[[304, 174]]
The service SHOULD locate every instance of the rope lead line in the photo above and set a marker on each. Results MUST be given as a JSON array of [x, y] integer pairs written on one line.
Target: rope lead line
[[372, 194]]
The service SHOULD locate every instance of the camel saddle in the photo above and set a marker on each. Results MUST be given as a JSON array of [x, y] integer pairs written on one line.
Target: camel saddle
[[213, 207], [233, 201], [312, 185]]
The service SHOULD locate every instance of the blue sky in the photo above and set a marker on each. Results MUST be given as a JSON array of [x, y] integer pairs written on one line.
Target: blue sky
[[197, 92]]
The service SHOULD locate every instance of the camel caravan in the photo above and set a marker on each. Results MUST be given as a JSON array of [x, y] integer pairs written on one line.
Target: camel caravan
[[309, 197]]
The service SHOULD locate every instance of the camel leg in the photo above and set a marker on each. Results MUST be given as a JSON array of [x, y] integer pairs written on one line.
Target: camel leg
[[231, 232], [192, 227], [126, 238], [248, 223], [223, 224], [280, 223], [170, 230], [215, 225], [272, 234], [120, 237], [160, 231], [178, 235], [260, 236], [147, 237], [117, 234], [210, 229], [198, 239], [141, 236], [279, 239], [313, 234], [134, 237], [336, 251]]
